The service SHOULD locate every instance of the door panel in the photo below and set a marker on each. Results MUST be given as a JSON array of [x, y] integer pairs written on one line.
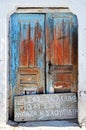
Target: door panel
[[61, 50], [32, 48], [28, 80], [27, 55]]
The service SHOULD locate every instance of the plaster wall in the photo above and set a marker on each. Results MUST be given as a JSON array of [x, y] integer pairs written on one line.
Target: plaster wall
[[7, 8]]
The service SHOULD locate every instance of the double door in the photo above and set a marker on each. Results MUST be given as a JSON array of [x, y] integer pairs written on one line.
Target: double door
[[43, 53]]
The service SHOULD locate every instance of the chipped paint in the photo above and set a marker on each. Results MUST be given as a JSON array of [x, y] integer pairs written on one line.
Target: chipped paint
[[61, 51], [42, 53]]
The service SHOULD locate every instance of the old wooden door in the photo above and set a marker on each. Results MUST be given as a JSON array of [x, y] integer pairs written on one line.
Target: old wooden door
[[43, 53], [61, 53], [27, 55]]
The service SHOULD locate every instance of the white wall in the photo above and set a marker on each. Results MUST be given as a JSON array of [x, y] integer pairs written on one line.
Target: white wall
[[77, 7]]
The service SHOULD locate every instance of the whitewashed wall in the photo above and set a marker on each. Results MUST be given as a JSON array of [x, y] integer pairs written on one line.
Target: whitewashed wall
[[6, 8]]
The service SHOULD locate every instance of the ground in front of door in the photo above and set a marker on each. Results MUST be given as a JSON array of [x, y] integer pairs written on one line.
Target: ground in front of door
[[42, 125]]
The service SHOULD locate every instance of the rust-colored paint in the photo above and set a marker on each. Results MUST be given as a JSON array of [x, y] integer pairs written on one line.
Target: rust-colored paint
[[27, 54], [28, 49], [63, 77], [31, 53], [24, 51], [55, 42], [61, 69], [62, 46], [28, 70], [67, 58], [58, 48], [67, 44]]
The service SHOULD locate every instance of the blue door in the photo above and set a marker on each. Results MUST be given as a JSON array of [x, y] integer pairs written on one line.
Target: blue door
[[43, 54], [27, 54]]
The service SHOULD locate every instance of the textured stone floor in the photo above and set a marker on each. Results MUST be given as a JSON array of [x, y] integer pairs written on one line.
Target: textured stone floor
[[42, 125]]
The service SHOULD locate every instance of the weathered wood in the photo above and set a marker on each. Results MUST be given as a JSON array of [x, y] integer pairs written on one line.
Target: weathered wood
[[62, 38], [45, 107], [26, 70], [63, 77], [30, 36], [28, 78], [60, 68]]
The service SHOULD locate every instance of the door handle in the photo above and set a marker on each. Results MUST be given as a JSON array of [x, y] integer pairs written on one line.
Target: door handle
[[49, 66]]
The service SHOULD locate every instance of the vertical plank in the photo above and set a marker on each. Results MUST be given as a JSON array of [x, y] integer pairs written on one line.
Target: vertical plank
[[41, 53], [67, 45], [50, 39], [24, 53], [24, 45], [36, 44], [31, 42], [49, 50], [14, 57], [31, 53], [14, 49], [74, 34], [55, 43], [58, 41]]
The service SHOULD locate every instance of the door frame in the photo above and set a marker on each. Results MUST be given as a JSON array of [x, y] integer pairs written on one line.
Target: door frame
[[37, 10]]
